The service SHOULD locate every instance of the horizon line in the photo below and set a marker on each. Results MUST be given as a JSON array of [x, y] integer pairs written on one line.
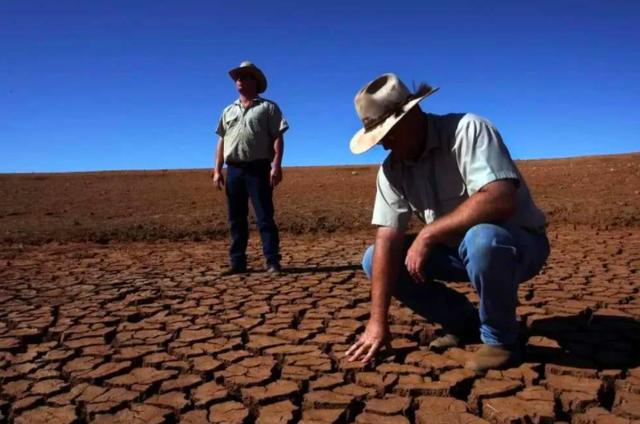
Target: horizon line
[[358, 165]]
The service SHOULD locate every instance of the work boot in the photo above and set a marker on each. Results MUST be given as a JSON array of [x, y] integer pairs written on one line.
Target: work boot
[[234, 269], [443, 343], [468, 333], [493, 357], [274, 268]]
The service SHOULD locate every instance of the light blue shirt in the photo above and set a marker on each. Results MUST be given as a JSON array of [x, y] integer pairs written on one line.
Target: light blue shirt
[[463, 153], [249, 133]]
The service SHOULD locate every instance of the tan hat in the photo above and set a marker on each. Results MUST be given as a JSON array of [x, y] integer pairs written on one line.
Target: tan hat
[[249, 67], [380, 105]]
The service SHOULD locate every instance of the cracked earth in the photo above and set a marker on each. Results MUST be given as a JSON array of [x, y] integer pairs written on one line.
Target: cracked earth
[[151, 333]]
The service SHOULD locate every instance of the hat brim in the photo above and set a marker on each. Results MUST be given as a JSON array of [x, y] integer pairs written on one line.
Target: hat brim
[[364, 140], [261, 80]]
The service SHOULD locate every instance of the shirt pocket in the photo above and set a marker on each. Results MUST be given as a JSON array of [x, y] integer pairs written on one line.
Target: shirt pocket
[[259, 123], [451, 189], [231, 120]]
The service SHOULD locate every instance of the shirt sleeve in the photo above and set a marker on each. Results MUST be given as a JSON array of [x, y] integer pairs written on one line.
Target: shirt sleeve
[[220, 130], [390, 209], [277, 123], [481, 154]]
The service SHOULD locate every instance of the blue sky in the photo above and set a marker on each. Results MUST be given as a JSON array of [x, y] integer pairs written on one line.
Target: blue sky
[[136, 84]]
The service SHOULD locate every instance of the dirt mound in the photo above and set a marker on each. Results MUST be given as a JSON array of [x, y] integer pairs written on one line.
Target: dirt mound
[[601, 192]]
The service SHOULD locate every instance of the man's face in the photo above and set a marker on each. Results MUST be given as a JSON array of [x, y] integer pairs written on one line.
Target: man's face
[[246, 82], [398, 139]]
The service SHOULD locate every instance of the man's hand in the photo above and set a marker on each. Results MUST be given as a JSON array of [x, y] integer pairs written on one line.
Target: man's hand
[[417, 256], [276, 175], [374, 337], [218, 179]]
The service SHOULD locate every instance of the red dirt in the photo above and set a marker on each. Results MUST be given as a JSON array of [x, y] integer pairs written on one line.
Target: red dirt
[[148, 331], [597, 192]]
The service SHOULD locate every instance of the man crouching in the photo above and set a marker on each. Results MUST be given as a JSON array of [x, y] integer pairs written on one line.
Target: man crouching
[[481, 225]]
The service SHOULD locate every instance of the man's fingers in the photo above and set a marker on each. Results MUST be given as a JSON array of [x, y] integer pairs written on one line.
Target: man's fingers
[[352, 348], [372, 351], [415, 270], [359, 352], [418, 277], [218, 180], [411, 269]]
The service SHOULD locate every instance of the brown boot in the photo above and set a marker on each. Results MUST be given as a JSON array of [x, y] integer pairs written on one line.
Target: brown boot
[[493, 357], [443, 343], [232, 270], [467, 333]]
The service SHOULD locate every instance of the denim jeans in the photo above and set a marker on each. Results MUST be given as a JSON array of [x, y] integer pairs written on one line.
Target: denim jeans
[[495, 259], [244, 182]]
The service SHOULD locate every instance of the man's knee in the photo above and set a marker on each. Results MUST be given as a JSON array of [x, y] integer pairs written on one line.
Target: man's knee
[[367, 261], [484, 243]]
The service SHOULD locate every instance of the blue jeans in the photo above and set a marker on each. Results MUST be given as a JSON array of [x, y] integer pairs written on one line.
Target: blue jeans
[[495, 259], [244, 182]]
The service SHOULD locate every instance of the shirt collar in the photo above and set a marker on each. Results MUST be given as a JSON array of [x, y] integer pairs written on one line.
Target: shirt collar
[[434, 136], [256, 101]]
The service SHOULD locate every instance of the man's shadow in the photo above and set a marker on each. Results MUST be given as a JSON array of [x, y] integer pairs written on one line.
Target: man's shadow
[[587, 340], [328, 268]]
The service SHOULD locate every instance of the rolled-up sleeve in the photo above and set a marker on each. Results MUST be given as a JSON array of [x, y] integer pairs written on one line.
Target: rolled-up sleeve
[[220, 130], [390, 209], [277, 123], [481, 154]]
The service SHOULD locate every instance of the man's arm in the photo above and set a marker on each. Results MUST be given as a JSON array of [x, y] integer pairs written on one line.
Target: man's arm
[[387, 257], [218, 178], [495, 202], [276, 165]]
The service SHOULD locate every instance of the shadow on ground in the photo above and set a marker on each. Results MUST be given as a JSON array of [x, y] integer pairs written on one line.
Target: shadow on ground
[[585, 341], [336, 268]]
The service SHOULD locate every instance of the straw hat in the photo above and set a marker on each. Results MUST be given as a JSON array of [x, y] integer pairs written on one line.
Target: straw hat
[[248, 67], [380, 105]]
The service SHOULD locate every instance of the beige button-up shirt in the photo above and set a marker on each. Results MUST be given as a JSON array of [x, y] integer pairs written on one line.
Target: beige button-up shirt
[[463, 153], [249, 133]]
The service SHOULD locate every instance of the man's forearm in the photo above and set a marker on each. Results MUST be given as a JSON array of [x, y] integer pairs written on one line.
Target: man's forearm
[[278, 148], [387, 257], [219, 157]]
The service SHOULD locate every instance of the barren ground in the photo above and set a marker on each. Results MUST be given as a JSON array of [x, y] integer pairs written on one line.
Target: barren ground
[[596, 192], [114, 310]]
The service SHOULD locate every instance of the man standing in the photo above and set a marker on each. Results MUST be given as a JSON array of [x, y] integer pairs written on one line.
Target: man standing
[[251, 143], [480, 224]]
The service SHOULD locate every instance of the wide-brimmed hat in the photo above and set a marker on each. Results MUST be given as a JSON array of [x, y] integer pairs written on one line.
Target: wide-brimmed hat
[[246, 66], [380, 105]]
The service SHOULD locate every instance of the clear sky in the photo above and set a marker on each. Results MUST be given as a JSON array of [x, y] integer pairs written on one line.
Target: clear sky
[[137, 84]]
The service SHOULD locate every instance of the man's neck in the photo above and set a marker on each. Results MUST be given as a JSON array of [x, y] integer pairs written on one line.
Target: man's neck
[[247, 98]]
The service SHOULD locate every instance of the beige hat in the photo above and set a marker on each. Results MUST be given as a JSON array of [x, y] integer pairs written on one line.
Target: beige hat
[[380, 105], [249, 67]]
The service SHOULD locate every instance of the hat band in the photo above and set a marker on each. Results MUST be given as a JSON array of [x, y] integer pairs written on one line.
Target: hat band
[[395, 110]]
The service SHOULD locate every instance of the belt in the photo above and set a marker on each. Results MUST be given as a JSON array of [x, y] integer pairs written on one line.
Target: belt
[[249, 164]]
